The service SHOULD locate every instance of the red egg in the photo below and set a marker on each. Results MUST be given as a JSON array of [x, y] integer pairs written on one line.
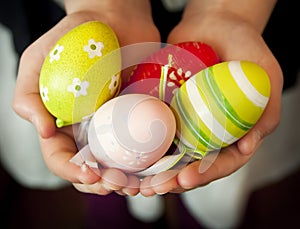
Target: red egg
[[162, 73]]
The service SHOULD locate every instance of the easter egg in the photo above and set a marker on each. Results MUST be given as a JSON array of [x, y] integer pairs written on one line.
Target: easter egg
[[131, 132], [163, 72], [81, 72], [220, 104]]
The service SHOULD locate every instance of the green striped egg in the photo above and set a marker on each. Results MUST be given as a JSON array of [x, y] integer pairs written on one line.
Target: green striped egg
[[220, 104]]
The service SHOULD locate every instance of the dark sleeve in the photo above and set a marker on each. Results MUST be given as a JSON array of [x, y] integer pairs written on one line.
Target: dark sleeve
[[163, 19], [29, 19], [282, 36]]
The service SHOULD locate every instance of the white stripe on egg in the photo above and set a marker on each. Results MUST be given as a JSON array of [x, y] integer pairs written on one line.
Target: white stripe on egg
[[205, 114], [245, 85]]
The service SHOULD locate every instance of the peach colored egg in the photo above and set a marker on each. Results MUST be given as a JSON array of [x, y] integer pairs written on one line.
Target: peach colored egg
[[131, 132]]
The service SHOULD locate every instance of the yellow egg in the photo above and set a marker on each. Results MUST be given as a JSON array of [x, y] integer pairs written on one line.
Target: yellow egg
[[220, 104], [81, 72]]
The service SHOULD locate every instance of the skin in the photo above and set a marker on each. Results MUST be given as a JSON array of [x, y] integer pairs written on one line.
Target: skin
[[233, 28]]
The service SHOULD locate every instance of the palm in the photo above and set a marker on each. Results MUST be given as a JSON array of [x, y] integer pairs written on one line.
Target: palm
[[58, 145]]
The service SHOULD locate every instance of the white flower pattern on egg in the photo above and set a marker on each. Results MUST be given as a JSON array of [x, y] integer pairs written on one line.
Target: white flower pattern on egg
[[113, 86], [172, 74], [94, 48], [135, 158], [78, 88], [55, 53], [173, 77], [44, 93]]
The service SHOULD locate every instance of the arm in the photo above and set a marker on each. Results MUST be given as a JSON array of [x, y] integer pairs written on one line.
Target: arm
[[233, 28], [119, 15], [255, 12]]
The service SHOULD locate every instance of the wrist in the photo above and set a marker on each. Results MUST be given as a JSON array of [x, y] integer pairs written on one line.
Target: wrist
[[108, 6], [254, 12]]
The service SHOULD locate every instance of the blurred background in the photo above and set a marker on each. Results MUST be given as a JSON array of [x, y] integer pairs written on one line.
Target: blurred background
[[263, 194]]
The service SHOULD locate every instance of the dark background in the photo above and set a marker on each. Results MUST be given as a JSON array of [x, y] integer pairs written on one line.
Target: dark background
[[274, 206]]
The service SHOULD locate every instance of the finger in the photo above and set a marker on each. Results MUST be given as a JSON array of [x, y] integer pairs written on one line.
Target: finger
[[57, 152], [114, 179], [146, 188], [30, 108], [133, 186], [96, 188], [178, 190], [225, 163], [165, 181], [80, 187], [120, 192], [27, 102]]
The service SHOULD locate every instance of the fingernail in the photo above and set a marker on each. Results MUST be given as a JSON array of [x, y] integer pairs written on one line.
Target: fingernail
[[126, 192], [106, 187], [161, 193], [84, 167]]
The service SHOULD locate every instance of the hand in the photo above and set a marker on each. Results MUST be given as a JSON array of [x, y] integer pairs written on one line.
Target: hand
[[234, 38], [58, 145]]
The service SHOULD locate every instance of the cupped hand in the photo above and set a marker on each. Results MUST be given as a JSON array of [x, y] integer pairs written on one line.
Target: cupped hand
[[57, 144], [233, 39]]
